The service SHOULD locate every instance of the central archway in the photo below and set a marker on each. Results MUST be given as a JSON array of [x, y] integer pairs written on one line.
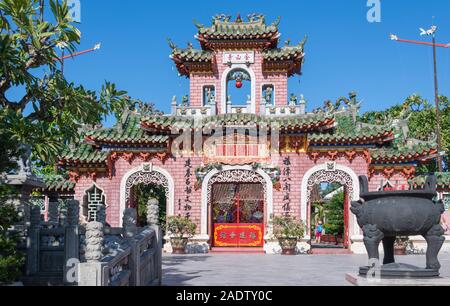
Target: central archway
[[236, 174]]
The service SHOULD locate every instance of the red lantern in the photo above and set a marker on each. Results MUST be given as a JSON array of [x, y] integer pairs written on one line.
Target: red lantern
[[239, 83]]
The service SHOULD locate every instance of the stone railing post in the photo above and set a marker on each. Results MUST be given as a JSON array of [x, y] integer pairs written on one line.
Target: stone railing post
[[302, 105], [53, 213], [249, 105], [153, 223], [72, 239], [262, 107], [62, 217], [158, 246], [213, 107], [174, 106], [129, 222], [229, 105], [33, 241], [153, 212], [91, 272]]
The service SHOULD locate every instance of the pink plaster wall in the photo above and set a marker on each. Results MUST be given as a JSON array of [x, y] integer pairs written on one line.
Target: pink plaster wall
[[301, 163]]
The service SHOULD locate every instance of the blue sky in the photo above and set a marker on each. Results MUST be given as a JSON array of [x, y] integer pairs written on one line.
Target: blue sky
[[344, 51]]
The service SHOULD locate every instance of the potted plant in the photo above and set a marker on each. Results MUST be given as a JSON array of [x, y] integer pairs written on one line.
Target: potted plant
[[288, 231], [400, 245], [180, 229]]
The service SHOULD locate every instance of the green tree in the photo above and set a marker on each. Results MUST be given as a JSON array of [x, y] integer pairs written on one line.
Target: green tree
[[335, 215], [10, 258], [51, 109], [38, 106]]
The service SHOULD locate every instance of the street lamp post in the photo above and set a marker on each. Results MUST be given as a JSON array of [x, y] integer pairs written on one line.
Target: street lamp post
[[431, 32]]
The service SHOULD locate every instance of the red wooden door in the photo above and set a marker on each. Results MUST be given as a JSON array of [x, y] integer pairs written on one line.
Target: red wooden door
[[234, 227]]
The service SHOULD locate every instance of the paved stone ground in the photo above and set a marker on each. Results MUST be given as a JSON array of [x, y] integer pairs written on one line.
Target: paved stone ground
[[270, 270]]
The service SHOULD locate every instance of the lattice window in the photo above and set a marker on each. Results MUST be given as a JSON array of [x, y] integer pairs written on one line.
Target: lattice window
[[39, 201], [236, 176], [93, 201]]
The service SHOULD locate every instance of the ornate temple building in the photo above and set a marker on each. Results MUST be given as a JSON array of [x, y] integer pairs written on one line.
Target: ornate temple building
[[230, 163]]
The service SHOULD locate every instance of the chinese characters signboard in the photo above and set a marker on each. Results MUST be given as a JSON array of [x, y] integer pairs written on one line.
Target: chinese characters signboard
[[242, 235], [287, 186], [247, 57]]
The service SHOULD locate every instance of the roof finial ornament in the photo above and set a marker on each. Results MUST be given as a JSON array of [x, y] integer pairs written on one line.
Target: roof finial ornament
[[276, 23], [287, 42], [255, 17], [125, 114], [198, 25], [238, 18], [171, 44], [304, 40], [221, 17], [190, 45]]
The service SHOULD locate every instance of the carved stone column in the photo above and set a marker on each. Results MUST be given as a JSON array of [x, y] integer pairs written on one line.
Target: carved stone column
[[153, 212], [53, 213], [94, 241], [92, 272]]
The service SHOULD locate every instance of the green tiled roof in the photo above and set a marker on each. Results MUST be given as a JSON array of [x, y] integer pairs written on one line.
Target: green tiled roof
[[403, 154], [282, 122], [192, 55], [286, 53], [84, 154], [362, 136], [224, 29], [443, 181], [58, 183], [127, 132]]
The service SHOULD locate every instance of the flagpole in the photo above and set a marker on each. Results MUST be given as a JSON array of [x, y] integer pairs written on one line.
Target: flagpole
[[432, 32], [438, 110]]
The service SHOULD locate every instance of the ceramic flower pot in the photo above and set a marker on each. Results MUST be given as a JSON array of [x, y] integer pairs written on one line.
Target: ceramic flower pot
[[288, 246], [179, 245]]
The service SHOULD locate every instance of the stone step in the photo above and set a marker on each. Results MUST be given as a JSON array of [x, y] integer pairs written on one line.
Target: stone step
[[237, 250], [331, 251]]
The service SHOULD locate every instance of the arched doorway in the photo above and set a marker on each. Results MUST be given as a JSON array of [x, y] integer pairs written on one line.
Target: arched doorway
[[147, 178], [347, 182], [236, 205]]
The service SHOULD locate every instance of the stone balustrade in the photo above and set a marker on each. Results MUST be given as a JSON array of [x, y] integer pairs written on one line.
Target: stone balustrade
[[283, 110], [135, 261], [51, 245], [194, 111], [265, 109]]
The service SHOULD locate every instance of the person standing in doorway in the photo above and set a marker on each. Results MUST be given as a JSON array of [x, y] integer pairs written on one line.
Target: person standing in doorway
[[319, 231]]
